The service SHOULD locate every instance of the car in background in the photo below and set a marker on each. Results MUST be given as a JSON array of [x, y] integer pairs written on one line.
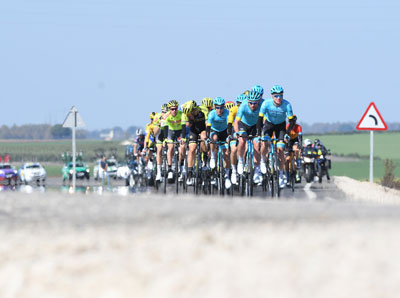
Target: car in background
[[82, 171], [111, 170], [32, 172], [123, 171], [8, 174]]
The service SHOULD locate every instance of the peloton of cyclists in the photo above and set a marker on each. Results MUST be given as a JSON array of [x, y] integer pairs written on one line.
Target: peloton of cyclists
[[251, 116]]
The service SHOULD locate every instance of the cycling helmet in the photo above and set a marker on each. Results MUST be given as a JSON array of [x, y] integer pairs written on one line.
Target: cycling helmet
[[207, 102], [173, 103], [152, 114], [229, 104], [164, 107], [259, 89], [276, 89], [240, 98], [246, 92], [189, 106], [219, 101], [254, 95], [139, 132], [294, 118], [307, 142]]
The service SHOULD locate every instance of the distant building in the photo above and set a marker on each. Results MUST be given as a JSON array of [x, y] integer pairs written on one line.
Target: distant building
[[107, 136]]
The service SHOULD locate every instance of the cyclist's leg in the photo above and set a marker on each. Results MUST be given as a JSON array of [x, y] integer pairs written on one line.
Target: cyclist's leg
[[280, 131], [213, 148], [222, 136], [233, 157], [256, 143], [192, 149], [170, 142], [265, 144], [243, 128]]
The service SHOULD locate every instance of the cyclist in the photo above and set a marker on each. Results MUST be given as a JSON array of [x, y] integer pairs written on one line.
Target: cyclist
[[159, 133], [217, 125], [260, 90], [138, 146], [233, 143], [229, 105], [150, 138], [175, 130], [196, 117], [149, 141], [246, 124], [208, 103], [295, 132], [274, 112]]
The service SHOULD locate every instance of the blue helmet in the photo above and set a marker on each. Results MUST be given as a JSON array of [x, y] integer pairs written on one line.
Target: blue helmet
[[240, 98], [276, 89], [254, 95], [259, 89], [219, 101]]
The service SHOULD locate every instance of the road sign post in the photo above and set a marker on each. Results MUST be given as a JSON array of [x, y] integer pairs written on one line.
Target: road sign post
[[73, 120], [371, 120]]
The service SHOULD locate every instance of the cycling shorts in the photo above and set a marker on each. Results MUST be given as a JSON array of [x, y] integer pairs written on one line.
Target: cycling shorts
[[279, 130], [194, 136], [174, 135], [246, 130], [222, 136], [293, 142]]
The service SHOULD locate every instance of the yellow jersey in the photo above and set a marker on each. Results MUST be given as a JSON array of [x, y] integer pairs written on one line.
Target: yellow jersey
[[232, 114]]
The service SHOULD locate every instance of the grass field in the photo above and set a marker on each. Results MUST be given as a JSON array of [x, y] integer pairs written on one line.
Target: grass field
[[386, 145]]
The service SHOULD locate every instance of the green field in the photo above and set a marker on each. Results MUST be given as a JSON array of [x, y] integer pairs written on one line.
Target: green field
[[386, 145]]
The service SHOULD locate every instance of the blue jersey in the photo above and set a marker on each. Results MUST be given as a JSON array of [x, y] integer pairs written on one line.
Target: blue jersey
[[274, 114], [246, 115], [218, 123]]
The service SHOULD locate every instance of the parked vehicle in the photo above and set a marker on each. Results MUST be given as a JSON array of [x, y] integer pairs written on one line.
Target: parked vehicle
[[32, 172], [8, 174], [82, 171]]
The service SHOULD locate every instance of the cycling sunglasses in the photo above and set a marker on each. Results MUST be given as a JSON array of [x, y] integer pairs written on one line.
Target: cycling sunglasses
[[277, 95], [173, 109], [220, 108], [253, 102]]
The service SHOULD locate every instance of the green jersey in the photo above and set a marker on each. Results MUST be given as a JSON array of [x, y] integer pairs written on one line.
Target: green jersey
[[175, 123]]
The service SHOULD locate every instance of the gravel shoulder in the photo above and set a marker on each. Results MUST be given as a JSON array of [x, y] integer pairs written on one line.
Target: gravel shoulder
[[363, 191], [60, 245]]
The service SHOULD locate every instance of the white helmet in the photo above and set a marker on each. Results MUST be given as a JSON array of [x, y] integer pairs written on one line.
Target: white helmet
[[307, 142], [139, 132]]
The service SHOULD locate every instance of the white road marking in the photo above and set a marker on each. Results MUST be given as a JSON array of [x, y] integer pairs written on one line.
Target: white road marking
[[310, 194]]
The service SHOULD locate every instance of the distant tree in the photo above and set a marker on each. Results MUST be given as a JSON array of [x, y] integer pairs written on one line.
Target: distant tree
[[59, 132]]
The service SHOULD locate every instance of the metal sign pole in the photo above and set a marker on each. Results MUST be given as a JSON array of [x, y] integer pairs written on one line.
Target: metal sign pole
[[73, 159], [371, 157]]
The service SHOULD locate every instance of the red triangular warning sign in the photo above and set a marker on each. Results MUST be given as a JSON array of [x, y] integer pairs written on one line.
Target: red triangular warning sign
[[372, 119]]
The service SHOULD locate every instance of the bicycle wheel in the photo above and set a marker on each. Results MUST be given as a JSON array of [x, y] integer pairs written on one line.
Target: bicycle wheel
[[176, 170], [292, 173], [242, 184], [221, 176], [251, 176], [165, 172], [277, 189], [197, 173]]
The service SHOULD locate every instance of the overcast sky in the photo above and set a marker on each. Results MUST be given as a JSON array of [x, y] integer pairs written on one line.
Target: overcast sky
[[118, 60]]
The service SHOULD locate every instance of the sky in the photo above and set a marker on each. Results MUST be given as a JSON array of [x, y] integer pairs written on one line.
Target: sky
[[119, 60]]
